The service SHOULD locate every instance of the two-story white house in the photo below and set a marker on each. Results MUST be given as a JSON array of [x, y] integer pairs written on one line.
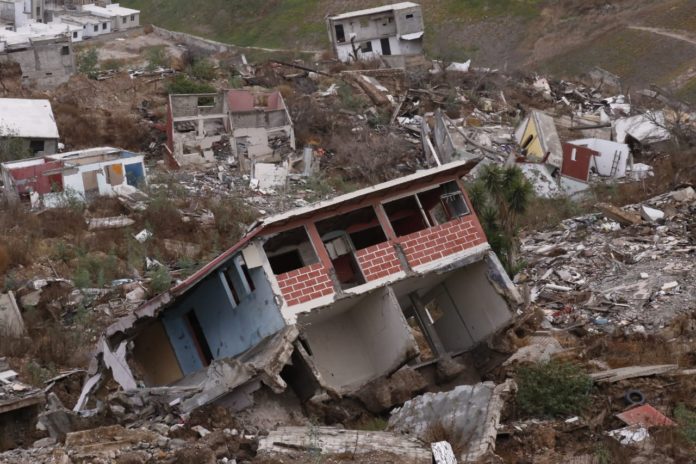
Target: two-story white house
[[390, 30]]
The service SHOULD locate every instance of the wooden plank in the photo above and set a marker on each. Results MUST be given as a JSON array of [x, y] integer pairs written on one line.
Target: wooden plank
[[624, 373]]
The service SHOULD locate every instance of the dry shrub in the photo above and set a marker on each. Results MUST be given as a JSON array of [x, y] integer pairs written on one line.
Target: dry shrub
[[104, 206], [312, 122], [56, 345], [440, 432], [4, 259], [368, 157], [59, 222], [19, 250]]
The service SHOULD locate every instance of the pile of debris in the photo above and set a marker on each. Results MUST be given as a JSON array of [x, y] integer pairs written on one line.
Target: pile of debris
[[630, 268]]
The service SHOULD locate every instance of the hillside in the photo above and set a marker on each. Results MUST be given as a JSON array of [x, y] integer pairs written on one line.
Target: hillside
[[644, 41]]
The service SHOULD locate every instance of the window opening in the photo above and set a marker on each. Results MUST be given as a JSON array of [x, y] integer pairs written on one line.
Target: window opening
[[199, 337], [290, 250], [366, 47], [405, 215]]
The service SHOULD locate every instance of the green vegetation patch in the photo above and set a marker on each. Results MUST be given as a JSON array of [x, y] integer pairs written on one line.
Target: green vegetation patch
[[552, 389]]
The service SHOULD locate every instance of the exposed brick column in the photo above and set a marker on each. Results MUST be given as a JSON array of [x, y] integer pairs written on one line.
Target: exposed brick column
[[323, 255]]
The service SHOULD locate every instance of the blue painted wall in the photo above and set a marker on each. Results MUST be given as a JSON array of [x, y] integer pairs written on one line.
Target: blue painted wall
[[229, 329]]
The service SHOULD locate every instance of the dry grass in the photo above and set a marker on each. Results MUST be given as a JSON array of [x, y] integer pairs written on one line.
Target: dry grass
[[441, 432]]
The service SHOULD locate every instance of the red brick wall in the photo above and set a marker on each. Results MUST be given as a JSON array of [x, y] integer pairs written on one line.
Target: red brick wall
[[304, 284], [445, 239], [378, 261]]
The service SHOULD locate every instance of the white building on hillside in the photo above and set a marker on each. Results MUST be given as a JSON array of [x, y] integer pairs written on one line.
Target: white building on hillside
[[390, 30], [121, 18]]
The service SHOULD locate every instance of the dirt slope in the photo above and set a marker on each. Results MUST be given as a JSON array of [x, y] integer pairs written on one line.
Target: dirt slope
[[641, 40]]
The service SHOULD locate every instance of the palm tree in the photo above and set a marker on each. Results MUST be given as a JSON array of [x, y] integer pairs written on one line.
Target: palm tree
[[500, 195]]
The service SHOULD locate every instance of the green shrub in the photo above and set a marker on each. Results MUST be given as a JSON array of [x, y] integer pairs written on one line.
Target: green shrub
[[160, 279], [112, 64], [552, 389], [202, 69], [686, 419], [87, 60], [95, 270], [182, 84], [157, 57]]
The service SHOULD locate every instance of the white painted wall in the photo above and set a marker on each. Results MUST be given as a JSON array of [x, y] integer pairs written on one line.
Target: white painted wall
[[73, 183], [398, 47], [353, 346], [607, 150]]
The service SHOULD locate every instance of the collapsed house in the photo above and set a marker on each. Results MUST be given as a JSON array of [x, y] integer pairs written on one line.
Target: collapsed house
[[538, 138], [320, 298], [391, 32], [250, 126], [31, 122], [52, 179]]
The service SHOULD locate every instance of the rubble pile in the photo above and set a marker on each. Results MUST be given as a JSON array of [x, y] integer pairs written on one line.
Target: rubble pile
[[596, 272]]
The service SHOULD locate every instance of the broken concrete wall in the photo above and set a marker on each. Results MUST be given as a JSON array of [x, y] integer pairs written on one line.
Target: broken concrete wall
[[357, 340], [11, 322], [467, 308], [469, 412], [443, 140], [46, 64]]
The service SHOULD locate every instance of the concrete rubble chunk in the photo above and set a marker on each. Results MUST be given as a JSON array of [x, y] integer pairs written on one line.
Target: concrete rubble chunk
[[612, 212], [541, 348], [386, 392], [443, 453], [685, 194], [116, 222], [331, 440], [630, 435], [11, 321], [103, 442], [623, 373], [651, 214], [471, 412]]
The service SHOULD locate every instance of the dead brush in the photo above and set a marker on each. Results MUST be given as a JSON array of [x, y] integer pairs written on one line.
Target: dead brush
[[439, 431], [368, 158]]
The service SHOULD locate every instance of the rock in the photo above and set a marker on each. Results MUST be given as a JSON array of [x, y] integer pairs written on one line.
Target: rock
[[448, 369], [669, 286], [117, 410], [133, 457], [651, 214], [30, 299], [202, 431], [685, 194], [175, 443], [44, 442], [160, 428], [386, 392], [195, 455]]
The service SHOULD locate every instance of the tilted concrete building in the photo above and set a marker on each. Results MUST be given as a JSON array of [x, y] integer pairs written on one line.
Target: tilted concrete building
[[319, 298], [386, 31]]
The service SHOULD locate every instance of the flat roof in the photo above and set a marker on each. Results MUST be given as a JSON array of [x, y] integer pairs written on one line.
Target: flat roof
[[113, 9], [27, 118], [74, 156], [379, 9], [83, 19]]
